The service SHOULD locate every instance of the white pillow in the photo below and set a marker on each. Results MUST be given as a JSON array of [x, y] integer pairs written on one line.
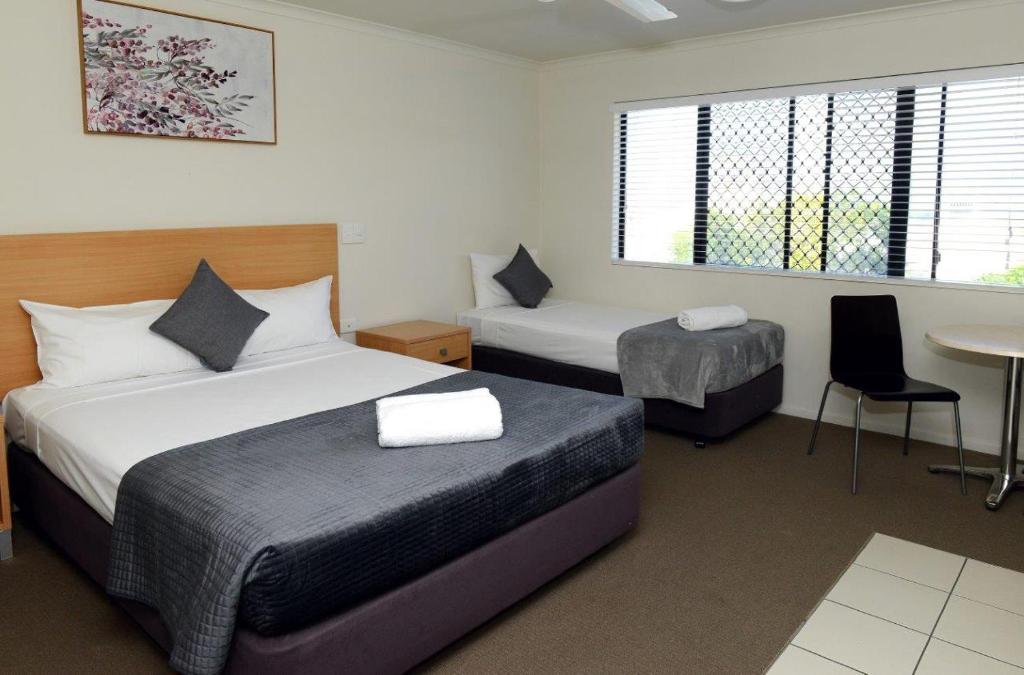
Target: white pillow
[[490, 293], [299, 316], [78, 346]]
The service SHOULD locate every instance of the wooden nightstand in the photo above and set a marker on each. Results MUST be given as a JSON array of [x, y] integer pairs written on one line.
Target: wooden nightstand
[[427, 340], [6, 520]]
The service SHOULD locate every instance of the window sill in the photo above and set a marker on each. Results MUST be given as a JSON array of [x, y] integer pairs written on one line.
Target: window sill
[[848, 278]]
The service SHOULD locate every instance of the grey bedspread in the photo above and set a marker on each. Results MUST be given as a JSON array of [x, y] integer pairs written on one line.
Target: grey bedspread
[[661, 360], [298, 520]]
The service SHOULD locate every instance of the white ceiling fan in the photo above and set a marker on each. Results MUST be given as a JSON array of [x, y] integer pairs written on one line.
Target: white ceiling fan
[[644, 10], [647, 11]]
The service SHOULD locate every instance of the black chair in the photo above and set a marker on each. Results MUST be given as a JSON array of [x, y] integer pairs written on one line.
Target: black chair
[[867, 355]]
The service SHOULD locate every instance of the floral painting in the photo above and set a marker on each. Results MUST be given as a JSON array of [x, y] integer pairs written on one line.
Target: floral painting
[[156, 73]]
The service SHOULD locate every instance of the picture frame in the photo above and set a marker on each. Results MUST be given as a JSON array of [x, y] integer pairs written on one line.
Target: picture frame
[[161, 74]]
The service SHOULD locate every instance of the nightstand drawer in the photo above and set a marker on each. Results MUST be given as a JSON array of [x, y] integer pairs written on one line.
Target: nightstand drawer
[[426, 340], [442, 349]]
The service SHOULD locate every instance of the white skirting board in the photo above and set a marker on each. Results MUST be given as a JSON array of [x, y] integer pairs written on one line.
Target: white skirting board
[[895, 428]]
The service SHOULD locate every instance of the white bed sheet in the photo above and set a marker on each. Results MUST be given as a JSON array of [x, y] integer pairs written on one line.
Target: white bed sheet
[[90, 436], [576, 333]]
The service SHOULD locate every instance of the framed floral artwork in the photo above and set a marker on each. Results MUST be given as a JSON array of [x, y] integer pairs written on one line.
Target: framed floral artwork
[[150, 72]]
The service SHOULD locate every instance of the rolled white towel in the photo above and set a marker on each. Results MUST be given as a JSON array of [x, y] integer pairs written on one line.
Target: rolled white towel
[[435, 419], [710, 318]]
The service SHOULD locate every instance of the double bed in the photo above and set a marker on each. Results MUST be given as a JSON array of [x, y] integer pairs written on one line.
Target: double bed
[[577, 344], [248, 520]]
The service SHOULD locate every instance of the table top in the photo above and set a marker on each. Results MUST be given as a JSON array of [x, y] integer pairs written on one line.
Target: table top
[[409, 332], [996, 340]]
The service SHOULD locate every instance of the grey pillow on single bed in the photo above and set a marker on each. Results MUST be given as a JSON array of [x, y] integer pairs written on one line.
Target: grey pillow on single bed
[[210, 320], [524, 280]]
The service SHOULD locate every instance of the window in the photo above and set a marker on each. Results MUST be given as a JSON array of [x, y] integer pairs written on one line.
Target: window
[[919, 177]]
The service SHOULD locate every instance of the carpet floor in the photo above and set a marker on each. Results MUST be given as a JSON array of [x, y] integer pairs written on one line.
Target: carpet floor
[[736, 545]]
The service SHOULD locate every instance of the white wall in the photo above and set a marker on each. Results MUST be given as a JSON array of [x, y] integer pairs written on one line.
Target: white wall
[[576, 180], [438, 147], [433, 146]]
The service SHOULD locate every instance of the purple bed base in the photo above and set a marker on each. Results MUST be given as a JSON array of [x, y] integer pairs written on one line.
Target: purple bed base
[[393, 632]]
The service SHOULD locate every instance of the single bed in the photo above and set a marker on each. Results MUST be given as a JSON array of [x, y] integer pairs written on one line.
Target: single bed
[[575, 344], [573, 333], [400, 566]]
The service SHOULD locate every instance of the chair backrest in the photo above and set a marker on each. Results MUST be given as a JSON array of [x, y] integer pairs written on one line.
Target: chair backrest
[[866, 338]]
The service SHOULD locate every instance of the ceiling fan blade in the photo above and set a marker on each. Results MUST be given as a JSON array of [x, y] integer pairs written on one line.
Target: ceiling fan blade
[[645, 10]]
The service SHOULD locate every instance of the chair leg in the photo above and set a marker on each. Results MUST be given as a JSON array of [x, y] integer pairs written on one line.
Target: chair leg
[[817, 422], [856, 441], [960, 448], [906, 433]]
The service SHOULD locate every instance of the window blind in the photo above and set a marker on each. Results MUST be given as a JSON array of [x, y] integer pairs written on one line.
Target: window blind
[[918, 176]]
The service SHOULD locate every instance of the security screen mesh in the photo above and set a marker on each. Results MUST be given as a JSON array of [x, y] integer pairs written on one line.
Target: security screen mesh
[[924, 182]]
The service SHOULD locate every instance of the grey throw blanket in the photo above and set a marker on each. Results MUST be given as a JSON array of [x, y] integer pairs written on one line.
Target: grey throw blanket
[[291, 522], [661, 360]]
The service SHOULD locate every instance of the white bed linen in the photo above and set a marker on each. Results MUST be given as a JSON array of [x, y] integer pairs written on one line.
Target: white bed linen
[[90, 436], [560, 330]]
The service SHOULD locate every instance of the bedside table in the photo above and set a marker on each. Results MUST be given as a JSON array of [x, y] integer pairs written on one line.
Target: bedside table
[[6, 521], [427, 340]]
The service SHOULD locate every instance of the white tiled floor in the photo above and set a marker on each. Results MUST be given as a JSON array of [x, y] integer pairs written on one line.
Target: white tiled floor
[[991, 585], [984, 629], [903, 602], [910, 561], [799, 661], [907, 609], [942, 658]]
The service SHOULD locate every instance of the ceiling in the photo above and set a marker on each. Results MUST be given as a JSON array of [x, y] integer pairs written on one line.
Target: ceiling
[[566, 28]]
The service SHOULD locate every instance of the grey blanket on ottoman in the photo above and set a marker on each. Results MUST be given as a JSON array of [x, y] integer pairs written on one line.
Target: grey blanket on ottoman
[[288, 523], [661, 360]]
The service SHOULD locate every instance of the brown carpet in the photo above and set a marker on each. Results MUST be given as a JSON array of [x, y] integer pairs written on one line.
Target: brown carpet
[[736, 545]]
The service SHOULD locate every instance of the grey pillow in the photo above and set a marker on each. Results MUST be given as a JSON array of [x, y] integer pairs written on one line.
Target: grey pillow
[[210, 320], [524, 280]]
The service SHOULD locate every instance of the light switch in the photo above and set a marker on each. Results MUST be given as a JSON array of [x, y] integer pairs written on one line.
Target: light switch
[[353, 233], [348, 325]]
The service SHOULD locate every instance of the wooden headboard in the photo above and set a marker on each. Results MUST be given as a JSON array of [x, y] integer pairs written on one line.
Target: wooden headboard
[[82, 269]]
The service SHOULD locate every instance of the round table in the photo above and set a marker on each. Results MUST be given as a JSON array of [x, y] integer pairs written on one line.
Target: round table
[[1008, 342]]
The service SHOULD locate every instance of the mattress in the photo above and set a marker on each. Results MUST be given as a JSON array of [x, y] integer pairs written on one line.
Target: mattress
[[575, 333], [90, 436]]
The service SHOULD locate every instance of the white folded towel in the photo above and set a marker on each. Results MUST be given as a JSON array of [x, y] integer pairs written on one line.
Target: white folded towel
[[434, 419], [710, 318]]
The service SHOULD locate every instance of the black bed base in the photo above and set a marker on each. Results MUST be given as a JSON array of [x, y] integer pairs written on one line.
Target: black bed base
[[723, 413], [392, 632]]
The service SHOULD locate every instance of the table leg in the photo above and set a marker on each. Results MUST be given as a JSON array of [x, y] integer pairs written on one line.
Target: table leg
[[1008, 475]]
